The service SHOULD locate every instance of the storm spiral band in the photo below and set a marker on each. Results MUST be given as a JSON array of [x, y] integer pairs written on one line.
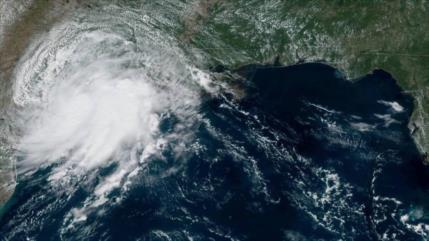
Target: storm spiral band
[[119, 132]]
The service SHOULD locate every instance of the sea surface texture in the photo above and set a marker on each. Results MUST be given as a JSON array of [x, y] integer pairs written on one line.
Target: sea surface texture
[[118, 134]]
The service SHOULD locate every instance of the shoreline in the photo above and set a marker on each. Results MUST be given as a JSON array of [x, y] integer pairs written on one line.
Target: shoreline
[[37, 18], [41, 15]]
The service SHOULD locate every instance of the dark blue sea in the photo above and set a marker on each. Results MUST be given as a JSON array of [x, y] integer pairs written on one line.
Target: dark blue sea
[[304, 155]]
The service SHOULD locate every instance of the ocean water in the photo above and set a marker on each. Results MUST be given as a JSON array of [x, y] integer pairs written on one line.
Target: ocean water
[[304, 155]]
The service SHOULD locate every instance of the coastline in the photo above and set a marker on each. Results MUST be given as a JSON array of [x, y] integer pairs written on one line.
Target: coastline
[[41, 15], [34, 18]]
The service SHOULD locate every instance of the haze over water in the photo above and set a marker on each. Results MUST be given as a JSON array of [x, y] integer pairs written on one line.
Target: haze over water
[[120, 135]]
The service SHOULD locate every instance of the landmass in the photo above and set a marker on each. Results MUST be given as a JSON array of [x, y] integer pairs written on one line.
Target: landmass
[[20, 22], [354, 36]]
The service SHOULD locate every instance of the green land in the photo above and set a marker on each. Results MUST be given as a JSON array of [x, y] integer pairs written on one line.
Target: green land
[[354, 36]]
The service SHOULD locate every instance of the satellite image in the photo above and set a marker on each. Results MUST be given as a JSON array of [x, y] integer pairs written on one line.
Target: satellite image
[[229, 120]]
